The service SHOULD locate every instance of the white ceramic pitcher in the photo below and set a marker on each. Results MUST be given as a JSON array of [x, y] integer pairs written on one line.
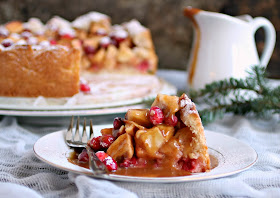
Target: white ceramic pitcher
[[224, 46]]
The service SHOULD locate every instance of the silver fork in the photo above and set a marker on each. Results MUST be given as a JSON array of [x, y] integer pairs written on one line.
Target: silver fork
[[76, 141]]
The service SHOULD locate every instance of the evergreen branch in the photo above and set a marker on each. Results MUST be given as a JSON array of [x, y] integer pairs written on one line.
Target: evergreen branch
[[252, 95]]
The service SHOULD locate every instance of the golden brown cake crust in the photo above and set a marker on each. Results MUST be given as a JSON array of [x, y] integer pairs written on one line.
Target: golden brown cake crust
[[189, 115], [26, 72]]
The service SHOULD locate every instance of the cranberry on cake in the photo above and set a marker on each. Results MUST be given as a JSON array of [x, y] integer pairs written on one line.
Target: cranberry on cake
[[166, 140]]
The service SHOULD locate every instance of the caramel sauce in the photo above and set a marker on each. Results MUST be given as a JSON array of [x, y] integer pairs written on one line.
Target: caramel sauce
[[148, 171], [190, 13]]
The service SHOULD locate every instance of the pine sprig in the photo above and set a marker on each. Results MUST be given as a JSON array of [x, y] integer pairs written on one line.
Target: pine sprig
[[252, 95]]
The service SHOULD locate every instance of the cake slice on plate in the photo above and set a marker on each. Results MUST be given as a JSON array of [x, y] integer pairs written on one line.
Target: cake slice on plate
[[168, 137]]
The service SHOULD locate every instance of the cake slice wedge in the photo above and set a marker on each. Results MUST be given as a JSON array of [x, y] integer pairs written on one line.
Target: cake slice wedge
[[166, 140]]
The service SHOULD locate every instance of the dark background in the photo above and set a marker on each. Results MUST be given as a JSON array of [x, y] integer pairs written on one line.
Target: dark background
[[172, 32]]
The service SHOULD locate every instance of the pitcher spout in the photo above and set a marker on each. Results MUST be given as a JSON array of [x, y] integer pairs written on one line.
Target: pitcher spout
[[190, 12]]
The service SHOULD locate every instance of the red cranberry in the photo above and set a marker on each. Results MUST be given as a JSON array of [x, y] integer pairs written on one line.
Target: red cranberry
[[106, 141], [119, 36], [67, 36], [7, 43], [118, 122], [89, 49], [118, 39], [94, 143], [171, 120], [156, 115], [83, 156], [101, 155], [53, 42], [191, 165], [84, 87], [129, 162], [109, 162], [143, 66], [105, 42]]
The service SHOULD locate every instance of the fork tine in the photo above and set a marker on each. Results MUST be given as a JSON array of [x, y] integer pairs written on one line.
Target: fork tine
[[69, 133], [91, 133], [84, 136], [77, 133]]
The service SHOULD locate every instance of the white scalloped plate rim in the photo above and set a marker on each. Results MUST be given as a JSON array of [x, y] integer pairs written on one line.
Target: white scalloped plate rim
[[233, 157]]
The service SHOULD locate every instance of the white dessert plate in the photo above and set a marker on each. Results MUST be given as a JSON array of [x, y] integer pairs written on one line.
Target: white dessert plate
[[107, 91], [230, 155]]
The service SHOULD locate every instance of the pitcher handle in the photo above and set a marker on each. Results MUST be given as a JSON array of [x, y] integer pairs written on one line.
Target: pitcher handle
[[270, 38]]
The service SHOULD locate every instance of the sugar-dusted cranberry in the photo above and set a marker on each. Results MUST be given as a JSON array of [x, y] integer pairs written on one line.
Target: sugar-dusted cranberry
[[119, 39], [67, 36], [171, 120], [119, 36], [105, 42], [143, 66], [89, 49], [134, 162], [26, 34], [106, 141], [118, 122], [53, 42], [156, 115], [84, 87], [129, 162], [83, 156], [7, 42], [106, 159], [94, 143]]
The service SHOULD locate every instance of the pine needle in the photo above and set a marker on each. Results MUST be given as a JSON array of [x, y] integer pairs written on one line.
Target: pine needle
[[252, 95]]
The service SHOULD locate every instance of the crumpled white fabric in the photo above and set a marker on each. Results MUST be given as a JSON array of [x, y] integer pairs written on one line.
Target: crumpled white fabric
[[24, 175], [22, 172]]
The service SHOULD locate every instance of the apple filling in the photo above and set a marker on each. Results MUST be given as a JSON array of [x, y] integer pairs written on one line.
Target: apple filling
[[168, 137]]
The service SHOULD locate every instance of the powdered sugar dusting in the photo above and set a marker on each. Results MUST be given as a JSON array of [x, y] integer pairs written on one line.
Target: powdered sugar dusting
[[35, 25], [15, 36], [21, 42], [187, 105], [32, 41], [3, 31], [83, 22], [105, 40], [61, 25], [109, 161], [134, 27], [37, 47]]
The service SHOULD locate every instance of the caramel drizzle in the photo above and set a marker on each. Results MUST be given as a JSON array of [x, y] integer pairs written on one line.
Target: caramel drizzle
[[190, 13]]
